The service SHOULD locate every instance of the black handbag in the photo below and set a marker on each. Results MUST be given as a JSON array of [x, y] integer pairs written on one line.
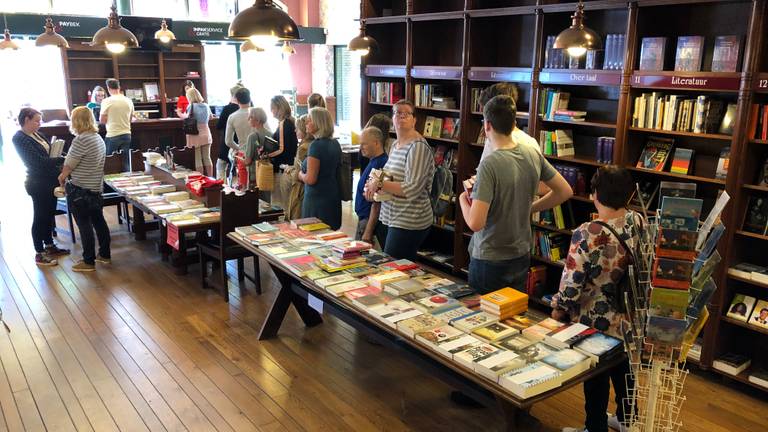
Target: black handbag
[[190, 123]]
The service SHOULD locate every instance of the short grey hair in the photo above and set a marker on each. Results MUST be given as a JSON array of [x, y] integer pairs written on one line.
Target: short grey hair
[[323, 122], [258, 114], [375, 133]]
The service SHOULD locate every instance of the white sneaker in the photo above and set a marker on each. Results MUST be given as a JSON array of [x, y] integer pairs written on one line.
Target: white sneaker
[[613, 423], [573, 429]]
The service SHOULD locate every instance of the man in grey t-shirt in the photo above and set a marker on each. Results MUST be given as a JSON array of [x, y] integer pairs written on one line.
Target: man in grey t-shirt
[[502, 201]]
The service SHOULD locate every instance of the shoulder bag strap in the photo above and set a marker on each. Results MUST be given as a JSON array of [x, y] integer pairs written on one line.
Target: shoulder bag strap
[[618, 237]]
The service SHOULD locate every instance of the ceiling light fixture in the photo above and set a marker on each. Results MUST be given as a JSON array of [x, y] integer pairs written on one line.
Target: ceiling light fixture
[[164, 35], [7, 43], [114, 37], [362, 44], [249, 46], [264, 24], [49, 37], [288, 49], [578, 38]]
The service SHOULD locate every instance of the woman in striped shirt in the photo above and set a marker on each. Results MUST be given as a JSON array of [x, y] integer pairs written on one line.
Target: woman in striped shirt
[[408, 215], [84, 166]]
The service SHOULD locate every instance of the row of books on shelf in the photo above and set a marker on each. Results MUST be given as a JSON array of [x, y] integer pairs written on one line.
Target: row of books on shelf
[[556, 216], [612, 56], [735, 364], [431, 95], [557, 143], [550, 245], [758, 122], [689, 53], [749, 309], [385, 92], [497, 338], [657, 150], [439, 257], [575, 176], [446, 127], [750, 271], [681, 113], [554, 106]]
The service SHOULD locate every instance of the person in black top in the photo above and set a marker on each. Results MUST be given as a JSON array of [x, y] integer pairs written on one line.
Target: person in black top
[[222, 162], [42, 178], [285, 135]]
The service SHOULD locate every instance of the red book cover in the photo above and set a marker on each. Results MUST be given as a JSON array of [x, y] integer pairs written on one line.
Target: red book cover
[[764, 133], [753, 113]]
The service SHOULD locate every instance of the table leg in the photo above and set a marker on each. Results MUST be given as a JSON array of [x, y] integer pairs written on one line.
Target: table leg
[[181, 259], [286, 297], [139, 224], [517, 419]]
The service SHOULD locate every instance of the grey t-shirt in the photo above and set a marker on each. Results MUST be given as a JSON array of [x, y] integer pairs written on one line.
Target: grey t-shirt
[[507, 179], [86, 158]]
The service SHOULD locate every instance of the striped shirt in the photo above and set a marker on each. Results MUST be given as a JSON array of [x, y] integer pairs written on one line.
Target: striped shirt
[[86, 158], [413, 166]]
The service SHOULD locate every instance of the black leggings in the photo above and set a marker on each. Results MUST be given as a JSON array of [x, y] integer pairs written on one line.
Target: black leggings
[[597, 391], [44, 207]]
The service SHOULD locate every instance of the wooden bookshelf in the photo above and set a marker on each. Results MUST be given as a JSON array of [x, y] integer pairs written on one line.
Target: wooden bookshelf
[[749, 281], [465, 44], [742, 324], [86, 67]]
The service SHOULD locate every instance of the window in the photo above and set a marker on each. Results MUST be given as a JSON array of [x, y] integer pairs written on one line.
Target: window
[[174, 9], [266, 74], [82, 7], [40, 6], [347, 88], [220, 71]]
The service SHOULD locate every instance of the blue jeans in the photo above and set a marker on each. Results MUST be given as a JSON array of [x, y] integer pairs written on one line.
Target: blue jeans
[[486, 276], [120, 143], [403, 243]]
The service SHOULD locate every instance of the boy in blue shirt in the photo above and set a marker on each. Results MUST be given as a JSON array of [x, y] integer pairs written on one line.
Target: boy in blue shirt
[[372, 147]]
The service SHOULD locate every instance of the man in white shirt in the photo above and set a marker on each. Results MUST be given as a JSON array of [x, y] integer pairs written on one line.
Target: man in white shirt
[[518, 135], [238, 125], [116, 114]]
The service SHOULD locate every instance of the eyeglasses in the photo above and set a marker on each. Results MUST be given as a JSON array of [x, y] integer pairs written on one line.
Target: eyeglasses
[[402, 114]]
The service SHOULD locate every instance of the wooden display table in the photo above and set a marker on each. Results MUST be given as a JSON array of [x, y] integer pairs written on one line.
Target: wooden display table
[[301, 293]]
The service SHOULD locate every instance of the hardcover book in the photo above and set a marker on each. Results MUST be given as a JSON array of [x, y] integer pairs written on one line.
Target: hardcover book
[[677, 190], [756, 219], [722, 163], [740, 307], [725, 56], [759, 377], [732, 363], [726, 125], [569, 362], [682, 161], [652, 51], [690, 51], [759, 316], [655, 154]]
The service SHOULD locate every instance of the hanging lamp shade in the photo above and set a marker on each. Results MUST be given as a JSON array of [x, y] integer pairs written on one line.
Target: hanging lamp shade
[[363, 44], [164, 35], [114, 37], [249, 46], [7, 43], [264, 24], [50, 38], [288, 48], [578, 38]]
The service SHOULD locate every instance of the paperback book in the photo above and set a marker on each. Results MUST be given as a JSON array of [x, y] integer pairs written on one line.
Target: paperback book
[[599, 346], [652, 52], [531, 380], [655, 154], [740, 307], [568, 362], [725, 56], [494, 331], [690, 51], [759, 316]]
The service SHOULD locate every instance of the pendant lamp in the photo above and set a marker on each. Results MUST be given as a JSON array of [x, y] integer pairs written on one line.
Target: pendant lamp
[[7, 43], [362, 44], [249, 46], [264, 24], [164, 35], [578, 38], [50, 38], [114, 37], [288, 49]]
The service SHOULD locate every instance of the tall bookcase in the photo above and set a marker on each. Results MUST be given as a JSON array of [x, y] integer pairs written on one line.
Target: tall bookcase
[[86, 66], [462, 45]]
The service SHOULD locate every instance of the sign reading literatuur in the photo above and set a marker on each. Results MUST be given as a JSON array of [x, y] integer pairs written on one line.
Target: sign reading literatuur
[[683, 81]]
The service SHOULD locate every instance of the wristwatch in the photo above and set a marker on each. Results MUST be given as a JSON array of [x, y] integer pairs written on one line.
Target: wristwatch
[[379, 184]]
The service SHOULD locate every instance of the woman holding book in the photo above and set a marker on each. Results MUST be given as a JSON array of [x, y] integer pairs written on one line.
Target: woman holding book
[[597, 261], [295, 189], [320, 171], [408, 215], [42, 172]]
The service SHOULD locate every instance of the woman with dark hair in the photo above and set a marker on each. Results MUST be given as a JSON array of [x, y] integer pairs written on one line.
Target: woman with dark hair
[[183, 103], [42, 178], [596, 263], [315, 100], [285, 135]]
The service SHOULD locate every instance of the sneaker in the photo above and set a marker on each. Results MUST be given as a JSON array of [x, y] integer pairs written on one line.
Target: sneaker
[[573, 429], [54, 250], [613, 423], [83, 266], [102, 260], [43, 260]]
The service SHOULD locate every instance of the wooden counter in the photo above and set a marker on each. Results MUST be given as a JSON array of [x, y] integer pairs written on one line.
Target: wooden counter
[[145, 134]]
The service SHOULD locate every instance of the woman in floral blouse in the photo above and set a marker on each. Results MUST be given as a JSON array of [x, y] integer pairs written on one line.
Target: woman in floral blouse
[[596, 263]]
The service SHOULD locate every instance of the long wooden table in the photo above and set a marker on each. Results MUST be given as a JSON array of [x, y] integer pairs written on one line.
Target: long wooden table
[[301, 292]]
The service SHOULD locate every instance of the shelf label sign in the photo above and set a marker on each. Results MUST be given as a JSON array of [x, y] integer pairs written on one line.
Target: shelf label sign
[[500, 75], [385, 71], [436, 73], [582, 77], [762, 84], [682, 81]]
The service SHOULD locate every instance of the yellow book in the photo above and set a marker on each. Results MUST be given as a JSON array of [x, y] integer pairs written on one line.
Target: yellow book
[[378, 280], [504, 297], [314, 227]]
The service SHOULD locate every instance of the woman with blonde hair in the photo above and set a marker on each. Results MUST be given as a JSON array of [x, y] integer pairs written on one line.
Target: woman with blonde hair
[[320, 171], [84, 166], [292, 187], [97, 95], [201, 142]]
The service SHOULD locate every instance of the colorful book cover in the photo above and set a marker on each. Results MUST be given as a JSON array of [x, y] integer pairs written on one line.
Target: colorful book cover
[[677, 189], [454, 290], [454, 313], [652, 51], [680, 244], [515, 342], [599, 345], [668, 303], [756, 219], [339, 289], [536, 351], [265, 227], [725, 56], [438, 334], [671, 273], [420, 323], [435, 303], [740, 307], [473, 321], [760, 314], [690, 51], [494, 331], [655, 154], [665, 330], [682, 161], [567, 360], [681, 207]]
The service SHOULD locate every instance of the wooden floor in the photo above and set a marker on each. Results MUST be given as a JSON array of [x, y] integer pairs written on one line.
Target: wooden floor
[[134, 347]]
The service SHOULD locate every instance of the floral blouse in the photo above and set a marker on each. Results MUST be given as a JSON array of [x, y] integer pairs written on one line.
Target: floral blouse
[[596, 260]]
